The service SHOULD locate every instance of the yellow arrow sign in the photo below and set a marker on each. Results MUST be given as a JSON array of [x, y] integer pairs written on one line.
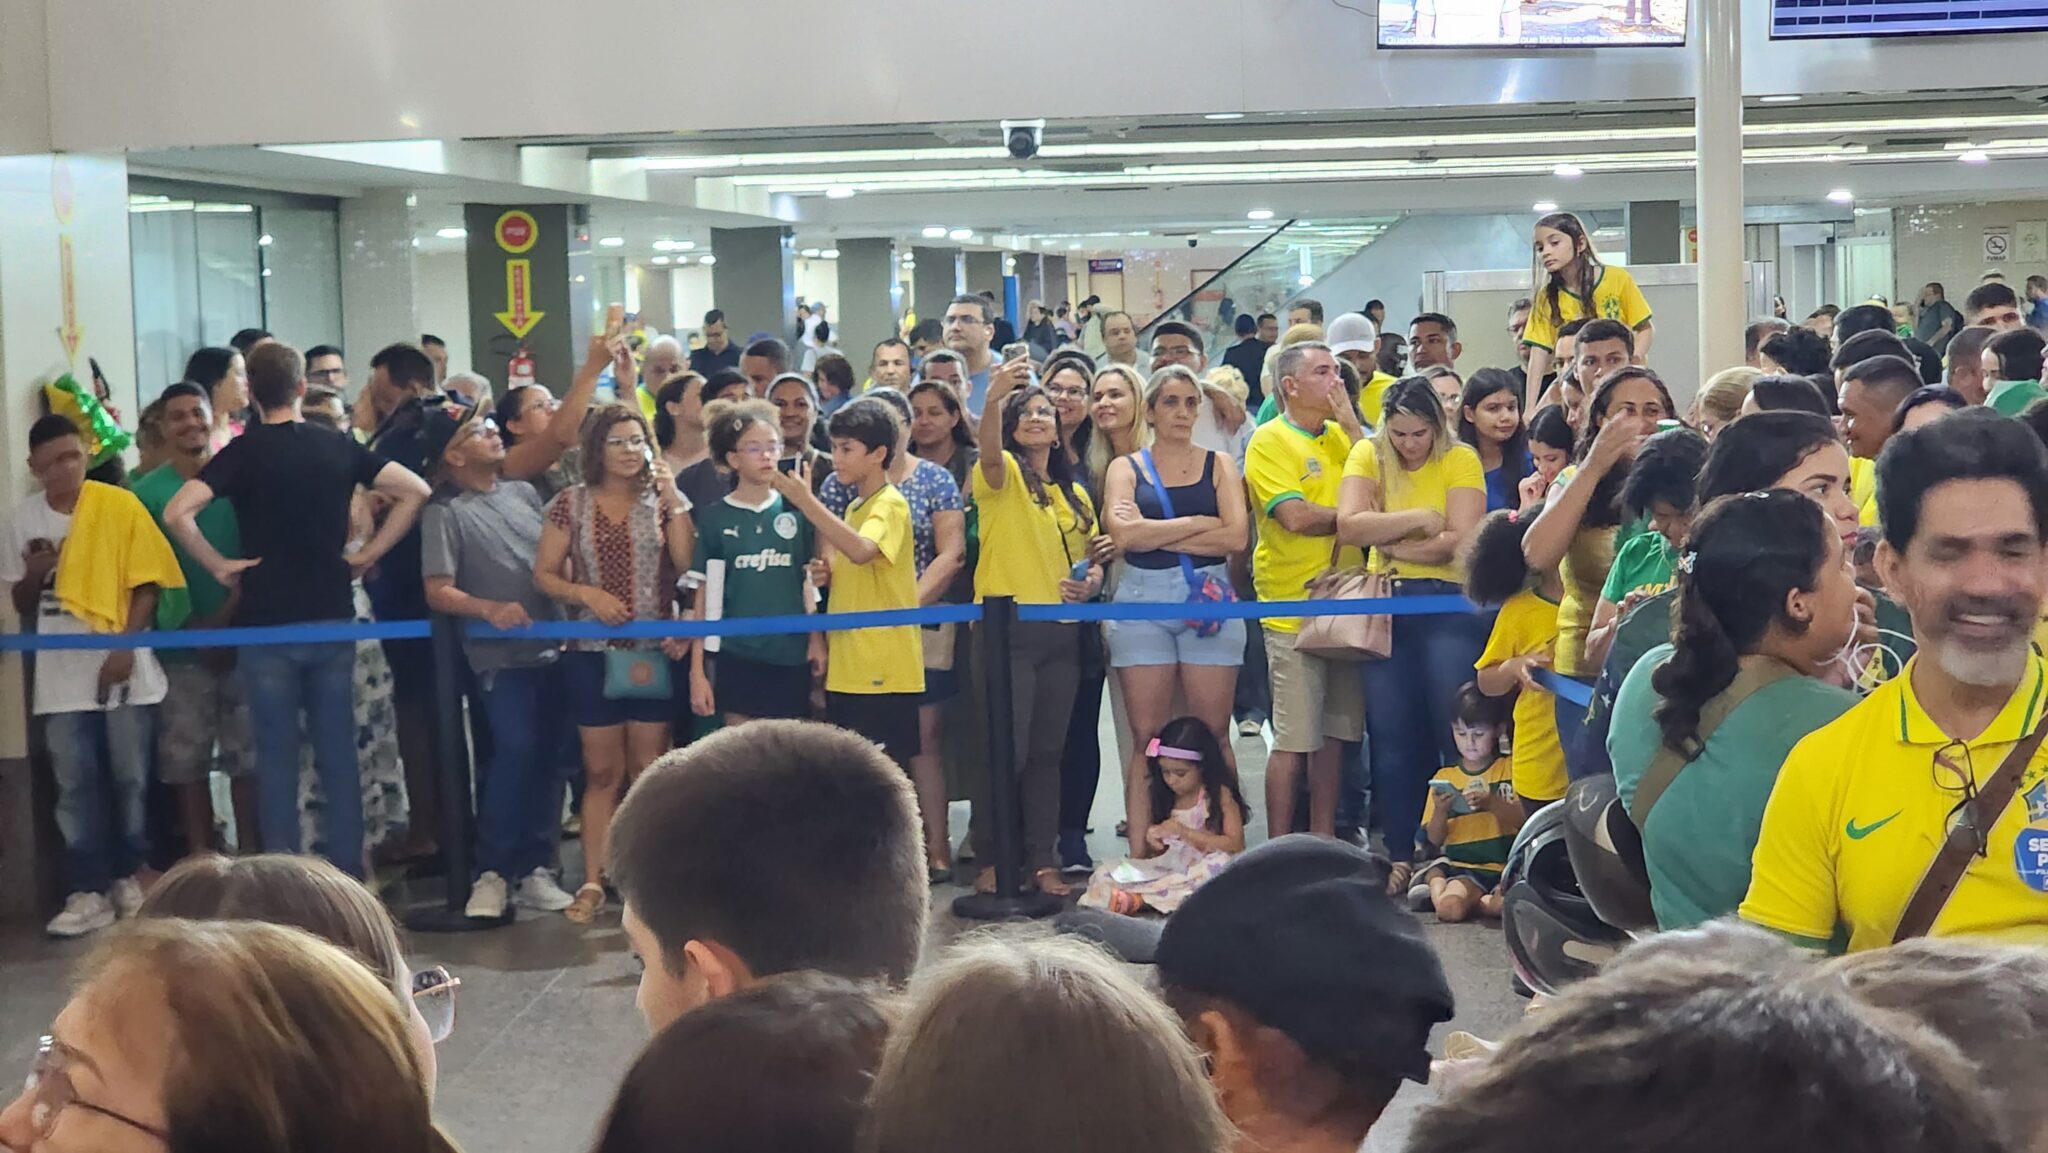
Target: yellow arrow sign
[[519, 316], [71, 333]]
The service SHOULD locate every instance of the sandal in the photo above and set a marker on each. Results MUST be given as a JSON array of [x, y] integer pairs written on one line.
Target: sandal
[[1050, 884], [1399, 875], [985, 881], [588, 904]]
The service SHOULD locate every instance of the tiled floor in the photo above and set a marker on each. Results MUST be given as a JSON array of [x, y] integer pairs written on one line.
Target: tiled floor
[[547, 1024]]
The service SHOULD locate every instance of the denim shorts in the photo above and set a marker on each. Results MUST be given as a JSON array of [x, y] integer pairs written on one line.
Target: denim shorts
[[591, 709], [1137, 643]]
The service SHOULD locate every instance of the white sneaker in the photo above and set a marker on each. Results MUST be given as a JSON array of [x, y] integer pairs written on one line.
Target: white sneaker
[[487, 899], [83, 913], [127, 897], [538, 890], [1247, 728]]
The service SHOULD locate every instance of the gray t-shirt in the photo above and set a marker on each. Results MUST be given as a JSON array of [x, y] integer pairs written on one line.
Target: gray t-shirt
[[486, 542]]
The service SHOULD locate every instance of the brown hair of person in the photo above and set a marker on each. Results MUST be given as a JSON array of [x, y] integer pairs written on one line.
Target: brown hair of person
[[783, 1066], [280, 1042], [1015, 1044]]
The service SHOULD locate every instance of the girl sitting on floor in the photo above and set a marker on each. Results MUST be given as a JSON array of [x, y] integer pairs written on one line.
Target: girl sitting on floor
[[1198, 816]]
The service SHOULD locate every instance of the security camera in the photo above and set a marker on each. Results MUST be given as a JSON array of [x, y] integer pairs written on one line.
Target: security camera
[[1022, 137], [1192, 242]]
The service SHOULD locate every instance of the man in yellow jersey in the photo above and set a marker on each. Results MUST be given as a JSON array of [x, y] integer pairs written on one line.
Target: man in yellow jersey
[[1294, 466], [1863, 804]]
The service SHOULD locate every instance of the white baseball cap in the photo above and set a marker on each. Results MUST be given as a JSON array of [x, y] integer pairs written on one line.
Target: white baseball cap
[[1352, 332]]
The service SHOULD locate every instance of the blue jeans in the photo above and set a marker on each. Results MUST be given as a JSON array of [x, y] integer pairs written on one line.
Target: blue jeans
[[280, 682], [88, 752], [520, 788], [1408, 705]]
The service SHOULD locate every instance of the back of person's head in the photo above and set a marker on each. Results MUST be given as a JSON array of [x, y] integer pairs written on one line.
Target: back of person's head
[[2019, 354], [282, 889], [276, 371], [1851, 322], [1495, 568], [278, 1041], [1745, 557], [783, 1067], [1989, 1000], [1991, 294], [788, 844], [247, 339], [1752, 453], [1870, 343], [1948, 400], [1021, 1045], [1794, 393], [1666, 471], [406, 365], [771, 350], [1701, 1057], [1753, 336], [1720, 398], [1799, 351], [1974, 444], [206, 366], [1925, 359], [1245, 325], [1967, 346], [1891, 378]]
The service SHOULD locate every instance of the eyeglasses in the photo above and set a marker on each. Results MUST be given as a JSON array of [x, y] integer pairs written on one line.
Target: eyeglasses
[[760, 449], [636, 443], [1068, 393], [433, 994], [326, 374], [1961, 777], [49, 1084]]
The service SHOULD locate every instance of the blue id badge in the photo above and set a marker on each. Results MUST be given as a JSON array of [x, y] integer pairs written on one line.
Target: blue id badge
[[2030, 857]]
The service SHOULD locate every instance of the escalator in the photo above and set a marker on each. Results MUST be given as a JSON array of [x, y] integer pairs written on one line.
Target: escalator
[[1283, 265]]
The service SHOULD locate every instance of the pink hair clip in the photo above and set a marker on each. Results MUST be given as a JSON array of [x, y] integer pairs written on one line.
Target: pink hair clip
[[1155, 749]]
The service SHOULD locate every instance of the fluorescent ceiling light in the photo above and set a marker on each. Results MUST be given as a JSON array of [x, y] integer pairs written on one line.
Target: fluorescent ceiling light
[[1223, 116], [810, 253], [1779, 98], [710, 259], [659, 260], [161, 206], [1842, 196], [934, 231], [667, 245], [1259, 214], [1074, 247], [452, 233], [1544, 206], [1975, 156], [830, 254], [960, 234], [224, 209], [1567, 171], [839, 193], [1305, 280], [611, 241]]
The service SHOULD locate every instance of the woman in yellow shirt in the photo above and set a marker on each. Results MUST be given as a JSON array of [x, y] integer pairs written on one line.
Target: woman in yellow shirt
[[1579, 528], [1572, 284], [1036, 524], [1413, 493]]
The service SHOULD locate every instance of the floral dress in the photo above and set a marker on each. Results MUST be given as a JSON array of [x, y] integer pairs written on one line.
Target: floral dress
[[385, 806], [1159, 883]]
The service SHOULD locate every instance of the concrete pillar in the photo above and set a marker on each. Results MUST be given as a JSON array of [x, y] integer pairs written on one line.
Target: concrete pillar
[[1718, 183], [754, 280], [519, 297], [1653, 232], [657, 304], [985, 273], [65, 295], [1031, 281], [1055, 281], [865, 312], [935, 281], [378, 279]]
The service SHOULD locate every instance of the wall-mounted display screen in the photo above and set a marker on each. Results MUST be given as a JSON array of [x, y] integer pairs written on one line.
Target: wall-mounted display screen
[[1531, 23], [1825, 19]]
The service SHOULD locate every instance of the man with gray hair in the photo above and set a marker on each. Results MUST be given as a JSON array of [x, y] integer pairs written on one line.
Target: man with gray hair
[[663, 358], [470, 388]]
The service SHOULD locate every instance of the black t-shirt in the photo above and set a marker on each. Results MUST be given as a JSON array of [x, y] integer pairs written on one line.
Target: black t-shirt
[[397, 590], [291, 485], [1248, 356], [704, 362]]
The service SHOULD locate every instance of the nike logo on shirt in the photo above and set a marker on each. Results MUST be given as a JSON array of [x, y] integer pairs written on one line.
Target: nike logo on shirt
[[1858, 832]]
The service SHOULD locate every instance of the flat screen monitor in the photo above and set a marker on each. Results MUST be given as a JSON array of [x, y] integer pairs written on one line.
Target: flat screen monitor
[[1531, 23], [1830, 19]]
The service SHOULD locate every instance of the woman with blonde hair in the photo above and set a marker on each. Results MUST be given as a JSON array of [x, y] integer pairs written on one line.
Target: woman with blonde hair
[[1720, 400], [1104, 1066], [199, 1037]]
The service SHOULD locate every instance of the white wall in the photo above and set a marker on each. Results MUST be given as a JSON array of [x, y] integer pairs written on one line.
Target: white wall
[[441, 302], [817, 280], [690, 295], [1946, 243], [403, 82]]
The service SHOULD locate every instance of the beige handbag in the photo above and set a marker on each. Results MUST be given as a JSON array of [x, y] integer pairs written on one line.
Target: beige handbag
[[938, 646], [1358, 637]]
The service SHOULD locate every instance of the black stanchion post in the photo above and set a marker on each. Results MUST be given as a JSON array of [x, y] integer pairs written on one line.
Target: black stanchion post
[[457, 829], [1011, 899]]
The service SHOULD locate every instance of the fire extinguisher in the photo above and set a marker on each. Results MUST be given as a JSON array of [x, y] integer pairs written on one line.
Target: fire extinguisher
[[519, 372]]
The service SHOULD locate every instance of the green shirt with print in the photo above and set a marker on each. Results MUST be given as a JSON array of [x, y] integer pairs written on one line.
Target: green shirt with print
[[764, 551], [203, 596], [1643, 565]]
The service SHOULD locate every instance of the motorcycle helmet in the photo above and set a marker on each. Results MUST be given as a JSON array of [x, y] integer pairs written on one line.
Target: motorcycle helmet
[[1607, 854], [1554, 937]]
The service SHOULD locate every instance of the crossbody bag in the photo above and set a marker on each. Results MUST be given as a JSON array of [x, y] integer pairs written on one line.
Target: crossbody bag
[[1203, 588], [1980, 814]]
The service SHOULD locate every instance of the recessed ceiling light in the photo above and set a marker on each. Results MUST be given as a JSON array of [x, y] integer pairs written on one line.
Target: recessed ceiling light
[[934, 231], [810, 253], [710, 259], [830, 254], [659, 260], [452, 233], [1842, 196], [1074, 247], [1544, 206], [1223, 116], [266, 272], [1975, 156], [1780, 98], [960, 234], [1305, 280], [1568, 171], [1259, 214], [611, 241], [839, 192], [264, 240]]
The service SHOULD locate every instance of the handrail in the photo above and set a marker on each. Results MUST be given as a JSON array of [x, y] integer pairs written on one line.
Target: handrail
[[1167, 312]]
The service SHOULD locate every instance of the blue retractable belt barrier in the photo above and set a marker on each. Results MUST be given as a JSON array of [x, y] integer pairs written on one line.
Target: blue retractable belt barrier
[[1563, 686], [308, 634], [1245, 610]]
